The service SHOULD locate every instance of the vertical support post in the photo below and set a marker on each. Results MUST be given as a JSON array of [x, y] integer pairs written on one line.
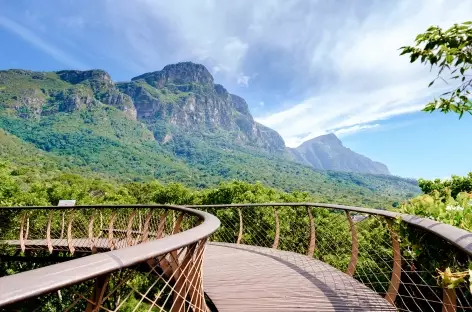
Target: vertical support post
[[111, 243], [63, 225], [161, 226], [129, 230], [101, 222], [194, 279], [27, 228], [22, 233], [312, 242], [147, 222], [177, 224], [69, 234], [354, 246], [48, 233], [449, 300], [101, 284], [392, 291], [140, 221], [277, 229], [181, 271], [173, 219], [90, 234], [240, 234]]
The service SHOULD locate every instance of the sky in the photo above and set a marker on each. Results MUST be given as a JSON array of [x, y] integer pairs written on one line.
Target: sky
[[305, 67]]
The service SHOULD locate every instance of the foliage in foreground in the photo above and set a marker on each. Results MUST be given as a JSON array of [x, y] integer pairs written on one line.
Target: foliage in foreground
[[20, 187], [448, 201], [449, 50]]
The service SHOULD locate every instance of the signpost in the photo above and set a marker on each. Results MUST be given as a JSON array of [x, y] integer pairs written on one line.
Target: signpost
[[66, 202]]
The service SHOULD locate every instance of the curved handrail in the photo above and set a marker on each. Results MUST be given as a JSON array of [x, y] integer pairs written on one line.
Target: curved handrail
[[44, 280], [460, 238], [32, 283]]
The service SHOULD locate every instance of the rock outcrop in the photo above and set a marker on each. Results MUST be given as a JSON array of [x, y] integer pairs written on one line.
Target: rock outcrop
[[184, 96], [178, 104]]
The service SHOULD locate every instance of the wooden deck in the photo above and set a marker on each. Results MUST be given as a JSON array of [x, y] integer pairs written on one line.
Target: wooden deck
[[249, 278]]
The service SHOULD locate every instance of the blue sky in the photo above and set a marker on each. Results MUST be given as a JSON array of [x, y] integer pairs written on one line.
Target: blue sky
[[305, 67]]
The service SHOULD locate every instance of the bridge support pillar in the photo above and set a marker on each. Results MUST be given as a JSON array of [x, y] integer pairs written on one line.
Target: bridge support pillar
[[392, 292], [277, 229], [240, 234], [312, 241], [449, 300], [98, 293], [355, 246]]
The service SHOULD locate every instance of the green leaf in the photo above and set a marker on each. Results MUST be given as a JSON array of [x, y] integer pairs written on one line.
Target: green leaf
[[407, 50], [449, 58], [414, 57], [431, 83]]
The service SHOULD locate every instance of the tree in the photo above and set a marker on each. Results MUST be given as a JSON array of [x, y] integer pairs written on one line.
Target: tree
[[450, 51]]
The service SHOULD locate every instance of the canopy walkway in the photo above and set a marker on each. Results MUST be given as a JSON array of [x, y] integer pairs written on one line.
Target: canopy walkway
[[251, 257]]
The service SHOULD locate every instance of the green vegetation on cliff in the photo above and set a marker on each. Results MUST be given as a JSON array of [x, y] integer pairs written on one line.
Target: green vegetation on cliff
[[173, 125]]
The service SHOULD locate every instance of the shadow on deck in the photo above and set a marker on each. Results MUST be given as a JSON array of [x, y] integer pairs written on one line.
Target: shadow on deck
[[249, 278]]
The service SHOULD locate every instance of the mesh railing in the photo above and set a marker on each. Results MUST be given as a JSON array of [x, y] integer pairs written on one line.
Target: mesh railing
[[150, 258], [125, 258], [401, 258]]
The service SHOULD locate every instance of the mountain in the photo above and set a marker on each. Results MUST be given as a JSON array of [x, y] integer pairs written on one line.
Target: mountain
[[183, 99], [327, 152], [174, 125]]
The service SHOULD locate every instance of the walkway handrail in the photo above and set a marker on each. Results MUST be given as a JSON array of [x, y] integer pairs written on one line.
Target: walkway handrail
[[460, 238], [29, 284], [404, 258], [398, 256]]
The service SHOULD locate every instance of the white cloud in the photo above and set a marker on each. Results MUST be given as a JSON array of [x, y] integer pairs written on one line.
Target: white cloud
[[353, 129], [352, 110], [35, 40], [296, 141], [343, 60], [323, 65], [369, 81], [243, 80], [199, 31]]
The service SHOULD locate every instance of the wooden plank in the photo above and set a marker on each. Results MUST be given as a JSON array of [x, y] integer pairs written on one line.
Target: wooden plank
[[240, 277], [248, 278]]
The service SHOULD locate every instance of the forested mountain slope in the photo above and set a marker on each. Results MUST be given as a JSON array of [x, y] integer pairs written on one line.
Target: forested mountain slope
[[173, 125]]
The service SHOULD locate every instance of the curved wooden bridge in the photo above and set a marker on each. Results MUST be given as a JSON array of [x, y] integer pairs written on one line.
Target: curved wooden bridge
[[262, 257]]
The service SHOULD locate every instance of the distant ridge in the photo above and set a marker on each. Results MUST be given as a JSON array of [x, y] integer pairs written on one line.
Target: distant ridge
[[327, 152]]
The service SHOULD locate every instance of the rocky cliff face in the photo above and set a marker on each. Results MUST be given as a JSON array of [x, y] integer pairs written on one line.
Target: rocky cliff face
[[327, 152], [177, 104], [184, 96], [35, 94], [181, 98]]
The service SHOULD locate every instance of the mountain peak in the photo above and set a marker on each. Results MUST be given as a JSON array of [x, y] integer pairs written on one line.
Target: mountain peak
[[327, 138], [328, 152], [180, 73]]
